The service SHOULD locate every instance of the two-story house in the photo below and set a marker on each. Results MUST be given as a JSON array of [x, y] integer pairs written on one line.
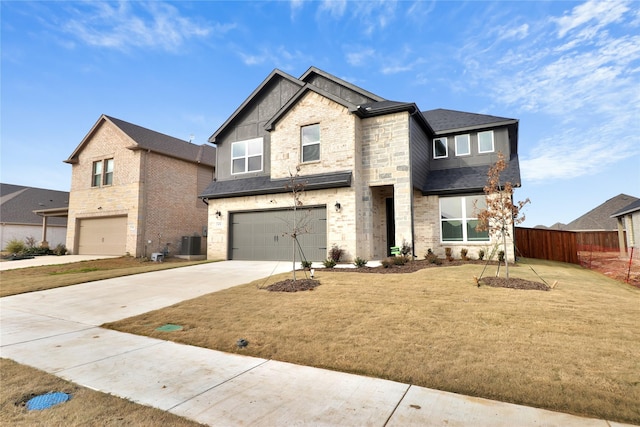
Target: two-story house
[[135, 191], [376, 173]]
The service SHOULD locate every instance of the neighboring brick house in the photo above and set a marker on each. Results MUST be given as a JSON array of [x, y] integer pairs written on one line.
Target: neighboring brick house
[[377, 173], [28, 212], [134, 190]]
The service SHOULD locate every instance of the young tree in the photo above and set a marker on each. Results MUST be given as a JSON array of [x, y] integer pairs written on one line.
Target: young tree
[[501, 214], [299, 225]]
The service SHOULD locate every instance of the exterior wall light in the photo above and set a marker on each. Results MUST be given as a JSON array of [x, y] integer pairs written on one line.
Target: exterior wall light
[[338, 206], [218, 214]]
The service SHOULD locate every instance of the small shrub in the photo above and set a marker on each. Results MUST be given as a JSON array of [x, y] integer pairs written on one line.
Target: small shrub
[[30, 241], [329, 263], [306, 264], [405, 249], [359, 262], [481, 254], [15, 246], [42, 250], [501, 256], [432, 258], [388, 262], [447, 254], [60, 249], [400, 259], [335, 253], [463, 254]]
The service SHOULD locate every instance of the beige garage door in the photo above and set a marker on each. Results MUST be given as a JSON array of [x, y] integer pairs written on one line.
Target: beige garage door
[[102, 236]]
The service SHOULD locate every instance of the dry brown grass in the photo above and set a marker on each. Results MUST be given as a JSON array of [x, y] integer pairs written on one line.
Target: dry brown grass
[[574, 349], [32, 279], [85, 408]]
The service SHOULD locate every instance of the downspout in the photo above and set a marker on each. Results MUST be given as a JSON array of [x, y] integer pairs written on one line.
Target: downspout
[[413, 231]]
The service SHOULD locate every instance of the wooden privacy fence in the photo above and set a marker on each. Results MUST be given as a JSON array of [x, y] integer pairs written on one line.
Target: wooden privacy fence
[[563, 246], [553, 245]]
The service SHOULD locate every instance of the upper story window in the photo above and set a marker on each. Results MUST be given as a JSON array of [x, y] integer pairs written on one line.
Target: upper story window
[[458, 219], [463, 145], [440, 148], [246, 156], [485, 142], [102, 173], [310, 138]]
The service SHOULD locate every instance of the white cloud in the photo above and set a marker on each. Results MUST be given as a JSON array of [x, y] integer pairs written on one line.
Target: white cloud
[[128, 25], [360, 56], [596, 12], [578, 75], [335, 8]]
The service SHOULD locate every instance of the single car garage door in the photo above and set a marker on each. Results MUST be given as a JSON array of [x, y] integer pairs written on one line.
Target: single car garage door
[[266, 235], [102, 236]]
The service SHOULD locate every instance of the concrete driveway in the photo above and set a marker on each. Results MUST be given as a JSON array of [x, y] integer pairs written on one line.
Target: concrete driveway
[[58, 331], [48, 260]]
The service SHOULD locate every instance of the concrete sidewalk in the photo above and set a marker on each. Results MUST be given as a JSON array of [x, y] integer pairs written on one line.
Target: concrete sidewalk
[[48, 260], [58, 331]]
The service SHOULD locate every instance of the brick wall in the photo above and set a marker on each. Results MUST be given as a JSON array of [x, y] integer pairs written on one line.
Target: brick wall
[[158, 194]]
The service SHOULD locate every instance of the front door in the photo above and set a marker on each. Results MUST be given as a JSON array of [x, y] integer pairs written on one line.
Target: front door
[[391, 225]]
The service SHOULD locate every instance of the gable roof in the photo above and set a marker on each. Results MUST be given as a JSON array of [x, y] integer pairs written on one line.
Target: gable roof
[[449, 121], [18, 202], [307, 82], [275, 74], [630, 208], [147, 139], [600, 217]]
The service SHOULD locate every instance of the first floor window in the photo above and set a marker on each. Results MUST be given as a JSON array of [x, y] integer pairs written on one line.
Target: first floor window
[[440, 149], [463, 145], [246, 156], [485, 142], [458, 219], [310, 137]]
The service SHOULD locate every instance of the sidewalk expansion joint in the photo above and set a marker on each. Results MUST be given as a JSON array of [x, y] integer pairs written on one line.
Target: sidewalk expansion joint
[[218, 385], [397, 404]]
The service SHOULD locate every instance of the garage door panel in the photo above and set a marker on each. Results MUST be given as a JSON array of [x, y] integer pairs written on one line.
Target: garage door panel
[[265, 235], [102, 236]]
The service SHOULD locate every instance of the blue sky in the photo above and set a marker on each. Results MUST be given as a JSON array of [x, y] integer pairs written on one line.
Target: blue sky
[[569, 71]]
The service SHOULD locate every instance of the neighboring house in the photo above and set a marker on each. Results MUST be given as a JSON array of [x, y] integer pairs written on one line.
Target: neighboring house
[[37, 213], [600, 218], [135, 191], [376, 173], [628, 218]]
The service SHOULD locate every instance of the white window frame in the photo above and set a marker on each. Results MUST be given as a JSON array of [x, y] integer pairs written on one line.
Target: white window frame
[[307, 144], [247, 143], [464, 219], [446, 148], [107, 173], [490, 132], [459, 137]]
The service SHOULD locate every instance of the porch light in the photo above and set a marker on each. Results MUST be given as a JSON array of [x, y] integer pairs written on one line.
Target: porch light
[[338, 206], [218, 214]]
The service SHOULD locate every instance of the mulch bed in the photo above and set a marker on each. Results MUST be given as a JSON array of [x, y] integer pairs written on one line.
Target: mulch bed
[[290, 285], [412, 266], [513, 283]]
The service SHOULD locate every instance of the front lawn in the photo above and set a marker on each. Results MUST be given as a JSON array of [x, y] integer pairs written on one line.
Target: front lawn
[[573, 349]]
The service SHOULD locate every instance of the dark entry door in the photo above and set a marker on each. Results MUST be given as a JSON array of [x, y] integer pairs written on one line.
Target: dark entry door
[[391, 225]]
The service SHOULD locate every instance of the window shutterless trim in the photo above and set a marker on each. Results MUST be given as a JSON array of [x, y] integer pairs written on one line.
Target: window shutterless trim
[[446, 147], [492, 142], [468, 136]]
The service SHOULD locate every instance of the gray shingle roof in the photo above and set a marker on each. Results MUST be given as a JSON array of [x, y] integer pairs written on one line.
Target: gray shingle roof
[[265, 185], [148, 139], [599, 218], [633, 207], [468, 179], [442, 120], [18, 202], [165, 144]]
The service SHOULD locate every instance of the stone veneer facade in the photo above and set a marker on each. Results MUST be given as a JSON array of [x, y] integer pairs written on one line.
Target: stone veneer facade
[[157, 193], [377, 151]]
